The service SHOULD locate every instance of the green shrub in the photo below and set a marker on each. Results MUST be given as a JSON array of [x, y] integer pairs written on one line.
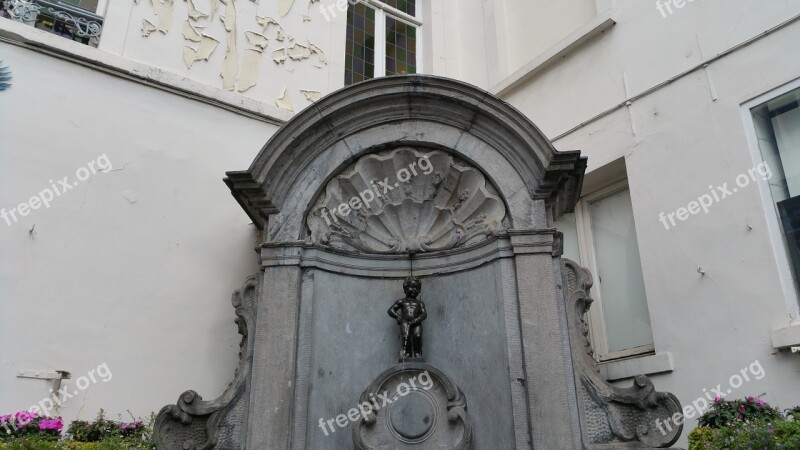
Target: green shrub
[[787, 433], [701, 438], [777, 435], [103, 429]]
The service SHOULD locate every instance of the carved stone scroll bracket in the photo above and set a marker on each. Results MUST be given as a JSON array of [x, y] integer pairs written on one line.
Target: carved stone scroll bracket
[[612, 416], [413, 405], [196, 424]]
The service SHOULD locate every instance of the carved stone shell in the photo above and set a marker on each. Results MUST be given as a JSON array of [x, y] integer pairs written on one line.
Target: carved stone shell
[[406, 201]]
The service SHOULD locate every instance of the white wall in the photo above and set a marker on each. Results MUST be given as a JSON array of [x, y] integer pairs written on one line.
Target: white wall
[[133, 268], [533, 26], [717, 324]]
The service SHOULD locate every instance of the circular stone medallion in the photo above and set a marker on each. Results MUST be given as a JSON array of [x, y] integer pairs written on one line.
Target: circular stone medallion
[[412, 418]]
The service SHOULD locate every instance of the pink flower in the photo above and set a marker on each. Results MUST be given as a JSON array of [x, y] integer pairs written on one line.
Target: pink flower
[[760, 402], [718, 399], [23, 418], [749, 398], [51, 424], [741, 409]]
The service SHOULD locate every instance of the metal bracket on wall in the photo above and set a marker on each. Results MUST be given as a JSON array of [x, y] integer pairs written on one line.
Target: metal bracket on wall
[[54, 376]]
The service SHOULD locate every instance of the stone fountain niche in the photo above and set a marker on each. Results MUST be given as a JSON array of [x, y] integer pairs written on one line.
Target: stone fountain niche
[[431, 177]]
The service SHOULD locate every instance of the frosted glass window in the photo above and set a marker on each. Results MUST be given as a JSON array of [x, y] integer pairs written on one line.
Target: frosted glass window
[[619, 273], [567, 225]]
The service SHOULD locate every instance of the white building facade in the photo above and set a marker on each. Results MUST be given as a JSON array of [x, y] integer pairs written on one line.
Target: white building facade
[[687, 110]]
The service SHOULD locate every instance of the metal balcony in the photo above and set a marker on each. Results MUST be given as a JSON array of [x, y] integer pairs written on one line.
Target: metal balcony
[[57, 17]]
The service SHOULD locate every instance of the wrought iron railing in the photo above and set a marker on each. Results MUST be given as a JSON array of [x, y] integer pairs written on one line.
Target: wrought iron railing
[[56, 17]]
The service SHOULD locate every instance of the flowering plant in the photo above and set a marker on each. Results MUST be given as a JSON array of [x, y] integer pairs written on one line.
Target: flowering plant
[[24, 423], [102, 428], [723, 412]]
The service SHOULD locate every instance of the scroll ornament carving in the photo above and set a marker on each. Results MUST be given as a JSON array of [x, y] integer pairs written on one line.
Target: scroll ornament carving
[[612, 414], [195, 424], [406, 200]]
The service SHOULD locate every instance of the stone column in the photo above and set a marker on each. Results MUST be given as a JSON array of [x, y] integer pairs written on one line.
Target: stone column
[[272, 377], [552, 421]]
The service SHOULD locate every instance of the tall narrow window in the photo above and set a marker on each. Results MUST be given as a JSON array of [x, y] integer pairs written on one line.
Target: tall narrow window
[[619, 273], [601, 235], [382, 39], [777, 124]]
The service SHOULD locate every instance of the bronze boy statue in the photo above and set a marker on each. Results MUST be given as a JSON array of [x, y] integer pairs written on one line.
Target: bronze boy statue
[[409, 313]]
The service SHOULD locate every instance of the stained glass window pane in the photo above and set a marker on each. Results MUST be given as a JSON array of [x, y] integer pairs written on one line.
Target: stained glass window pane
[[360, 47], [407, 6], [401, 47]]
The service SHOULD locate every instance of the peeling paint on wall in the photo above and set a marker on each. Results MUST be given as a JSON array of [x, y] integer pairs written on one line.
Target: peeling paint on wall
[[298, 52], [190, 34], [194, 13], [320, 54], [147, 28], [214, 4], [251, 68], [311, 96], [229, 19], [279, 55], [256, 39], [285, 102], [307, 15], [201, 53], [284, 6], [230, 66], [240, 69], [164, 10]]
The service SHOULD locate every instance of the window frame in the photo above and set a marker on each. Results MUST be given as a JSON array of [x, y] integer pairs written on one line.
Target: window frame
[[382, 11], [597, 326], [780, 252]]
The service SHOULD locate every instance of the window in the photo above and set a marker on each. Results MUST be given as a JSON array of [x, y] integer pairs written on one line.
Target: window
[[601, 235], [382, 39], [777, 126], [77, 20]]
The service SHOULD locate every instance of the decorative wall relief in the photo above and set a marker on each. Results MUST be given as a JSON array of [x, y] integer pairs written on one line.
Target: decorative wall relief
[[450, 205]]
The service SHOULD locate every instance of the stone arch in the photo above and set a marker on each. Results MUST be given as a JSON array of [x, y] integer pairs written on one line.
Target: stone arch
[[424, 111]]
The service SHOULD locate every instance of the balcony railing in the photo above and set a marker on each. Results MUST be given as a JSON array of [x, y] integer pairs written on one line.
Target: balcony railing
[[56, 17]]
